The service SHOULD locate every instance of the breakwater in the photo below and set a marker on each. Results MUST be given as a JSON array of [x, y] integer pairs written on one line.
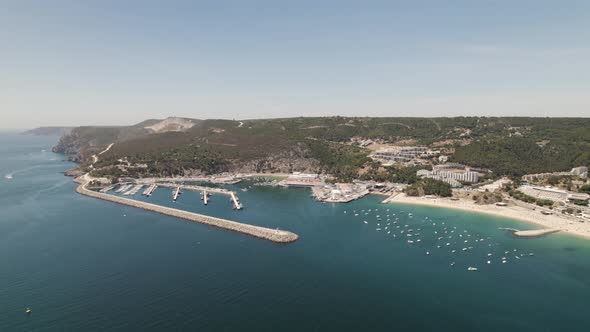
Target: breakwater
[[274, 235], [530, 233]]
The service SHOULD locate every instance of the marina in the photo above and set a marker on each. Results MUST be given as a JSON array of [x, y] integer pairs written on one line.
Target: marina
[[274, 235]]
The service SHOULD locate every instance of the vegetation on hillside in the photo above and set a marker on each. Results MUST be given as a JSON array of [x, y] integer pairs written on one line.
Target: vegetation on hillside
[[429, 187], [508, 146]]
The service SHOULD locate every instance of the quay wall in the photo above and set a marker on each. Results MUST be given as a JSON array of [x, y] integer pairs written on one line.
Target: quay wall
[[274, 235]]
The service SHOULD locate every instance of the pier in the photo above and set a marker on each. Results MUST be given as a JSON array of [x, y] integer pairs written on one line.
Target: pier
[[236, 201], [107, 189], [134, 190], [150, 190], [274, 235], [176, 193], [205, 190], [123, 187]]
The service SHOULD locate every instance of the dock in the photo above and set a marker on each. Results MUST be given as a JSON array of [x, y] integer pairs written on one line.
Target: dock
[[205, 192], [176, 193], [123, 187], [150, 190], [107, 189], [134, 190], [274, 235], [236, 201]]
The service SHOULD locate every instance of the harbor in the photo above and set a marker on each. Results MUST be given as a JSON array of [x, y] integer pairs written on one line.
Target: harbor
[[274, 235]]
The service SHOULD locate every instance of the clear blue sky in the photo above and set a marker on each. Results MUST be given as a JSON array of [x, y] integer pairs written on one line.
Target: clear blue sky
[[119, 62]]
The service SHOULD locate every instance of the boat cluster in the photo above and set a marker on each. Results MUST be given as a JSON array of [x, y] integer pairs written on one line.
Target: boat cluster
[[438, 236]]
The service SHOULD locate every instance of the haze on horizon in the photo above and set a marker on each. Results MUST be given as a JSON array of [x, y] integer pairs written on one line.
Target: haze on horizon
[[114, 62]]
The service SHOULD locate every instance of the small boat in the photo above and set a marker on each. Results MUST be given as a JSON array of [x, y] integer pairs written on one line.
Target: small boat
[[8, 176], [471, 268], [28, 311], [365, 222]]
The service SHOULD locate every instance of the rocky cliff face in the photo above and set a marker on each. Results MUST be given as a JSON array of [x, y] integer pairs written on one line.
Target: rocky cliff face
[[70, 145]]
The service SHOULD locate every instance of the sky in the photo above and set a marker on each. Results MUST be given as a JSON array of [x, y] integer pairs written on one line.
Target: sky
[[119, 62]]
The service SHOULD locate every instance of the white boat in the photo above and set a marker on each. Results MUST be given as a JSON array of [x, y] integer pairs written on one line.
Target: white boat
[[8, 176], [471, 268], [365, 222]]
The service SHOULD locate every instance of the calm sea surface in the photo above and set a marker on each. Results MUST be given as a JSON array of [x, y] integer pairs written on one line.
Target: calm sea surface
[[83, 264]]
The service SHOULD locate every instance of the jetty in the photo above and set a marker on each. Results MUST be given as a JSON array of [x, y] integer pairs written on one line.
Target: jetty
[[205, 198], [274, 235], [530, 233]]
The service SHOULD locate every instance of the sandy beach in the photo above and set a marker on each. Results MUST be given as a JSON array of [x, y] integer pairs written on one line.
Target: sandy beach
[[553, 221]]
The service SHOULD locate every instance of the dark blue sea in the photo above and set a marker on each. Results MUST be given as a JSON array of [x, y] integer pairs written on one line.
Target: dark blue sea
[[83, 264]]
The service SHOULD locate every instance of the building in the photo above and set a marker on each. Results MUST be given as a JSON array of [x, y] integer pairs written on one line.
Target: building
[[298, 179], [577, 197], [581, 171], [551, 194], [452, 174]]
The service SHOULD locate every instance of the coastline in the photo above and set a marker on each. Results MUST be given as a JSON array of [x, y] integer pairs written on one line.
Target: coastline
[[554, 222]]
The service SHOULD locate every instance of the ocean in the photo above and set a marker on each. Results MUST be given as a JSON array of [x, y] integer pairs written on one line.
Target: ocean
[[83, 264]]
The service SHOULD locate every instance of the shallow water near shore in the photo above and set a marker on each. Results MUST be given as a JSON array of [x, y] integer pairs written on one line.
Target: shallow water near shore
[[83, 264]]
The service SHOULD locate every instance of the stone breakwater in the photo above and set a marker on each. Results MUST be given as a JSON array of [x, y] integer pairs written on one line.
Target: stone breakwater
[[273, 235]]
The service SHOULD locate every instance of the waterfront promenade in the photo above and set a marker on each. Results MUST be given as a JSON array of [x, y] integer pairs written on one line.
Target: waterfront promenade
[[274, 235]]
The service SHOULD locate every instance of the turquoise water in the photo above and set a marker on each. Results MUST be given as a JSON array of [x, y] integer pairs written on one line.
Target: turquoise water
[[87, 265]]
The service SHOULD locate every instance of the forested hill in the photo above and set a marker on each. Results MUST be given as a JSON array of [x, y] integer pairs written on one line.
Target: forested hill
[[511, 146]]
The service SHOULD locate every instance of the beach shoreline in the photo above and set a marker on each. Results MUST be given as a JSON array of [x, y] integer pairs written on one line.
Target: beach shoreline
[[556, 222]]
